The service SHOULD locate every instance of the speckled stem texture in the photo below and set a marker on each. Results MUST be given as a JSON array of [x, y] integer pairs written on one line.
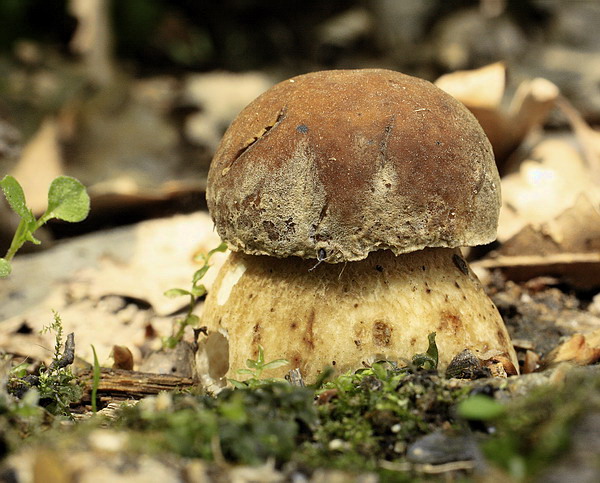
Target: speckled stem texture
[[348, 315]]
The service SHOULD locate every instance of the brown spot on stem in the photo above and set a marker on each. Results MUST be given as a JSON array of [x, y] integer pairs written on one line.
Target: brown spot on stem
[[502, 337], [382, 333], [256, 335], [309, 335], [449, 322], [296, 360]]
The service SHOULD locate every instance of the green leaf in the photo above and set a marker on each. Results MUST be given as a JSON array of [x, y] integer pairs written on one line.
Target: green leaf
[[67, 200], [260, 360], [30, 227], [480, 407], [198, 290], [237, 384], [16, 197], [221, 248], [192, 319], [429, 359], [5, 268], [380, 371], [275, 364], [95, 380], [200, 273], [176, 292]]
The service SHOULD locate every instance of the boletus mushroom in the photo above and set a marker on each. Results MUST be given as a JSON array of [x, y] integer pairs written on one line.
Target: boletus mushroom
[[344, 196]]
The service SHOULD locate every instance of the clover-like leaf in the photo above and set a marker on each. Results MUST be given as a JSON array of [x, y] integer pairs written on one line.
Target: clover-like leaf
[[16, 197], [67, 200]]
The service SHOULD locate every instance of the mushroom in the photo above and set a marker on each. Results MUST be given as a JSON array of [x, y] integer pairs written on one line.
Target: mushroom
[[344, 196]]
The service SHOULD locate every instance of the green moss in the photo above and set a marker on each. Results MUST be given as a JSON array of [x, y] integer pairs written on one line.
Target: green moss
[[244, 425], [372, 415], [350, 423], [536, 430]]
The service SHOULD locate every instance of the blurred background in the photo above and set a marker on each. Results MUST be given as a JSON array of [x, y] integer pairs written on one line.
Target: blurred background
[[132, 97]]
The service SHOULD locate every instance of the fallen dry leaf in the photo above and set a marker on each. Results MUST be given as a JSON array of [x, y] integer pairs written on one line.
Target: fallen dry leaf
[[531, 362], [580, 349], [588, 138], [84, 277], [581, 270], [219, 97], [122, 357], [549, 182], [482, 90]]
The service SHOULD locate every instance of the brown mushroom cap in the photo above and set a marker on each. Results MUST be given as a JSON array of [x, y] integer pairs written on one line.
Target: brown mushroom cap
[[337, 164]]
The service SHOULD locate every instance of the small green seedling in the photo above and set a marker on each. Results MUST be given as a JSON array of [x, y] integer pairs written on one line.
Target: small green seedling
[[95, 381], [255, 370], [67, 200], [57, 384], [198, 290], [429, 359]]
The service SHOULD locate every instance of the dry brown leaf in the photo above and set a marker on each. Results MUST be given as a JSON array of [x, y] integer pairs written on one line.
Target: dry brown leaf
[[531, 362], [219, 97], [547, 183], [580, 349], [481, 90], [501, 366], [122, 357], [77, 277], [566, 246], [575, 230], [588, 138], [581, 270]]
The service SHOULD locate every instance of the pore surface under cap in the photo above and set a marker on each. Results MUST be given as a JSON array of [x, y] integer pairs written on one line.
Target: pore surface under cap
[[337, 164]]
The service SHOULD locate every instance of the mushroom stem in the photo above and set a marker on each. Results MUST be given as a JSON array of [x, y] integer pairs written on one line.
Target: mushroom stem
[[349, 315]]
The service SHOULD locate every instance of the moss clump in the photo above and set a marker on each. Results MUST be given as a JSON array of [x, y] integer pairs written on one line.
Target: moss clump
[[374, 414], [352, 422], [243, 425], [536, 430]]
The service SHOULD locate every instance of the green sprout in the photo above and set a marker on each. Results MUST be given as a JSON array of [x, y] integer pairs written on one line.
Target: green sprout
[[95, 381], [198, 290], [67, 200], [255, 370], [429, 359], [57, 385]]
